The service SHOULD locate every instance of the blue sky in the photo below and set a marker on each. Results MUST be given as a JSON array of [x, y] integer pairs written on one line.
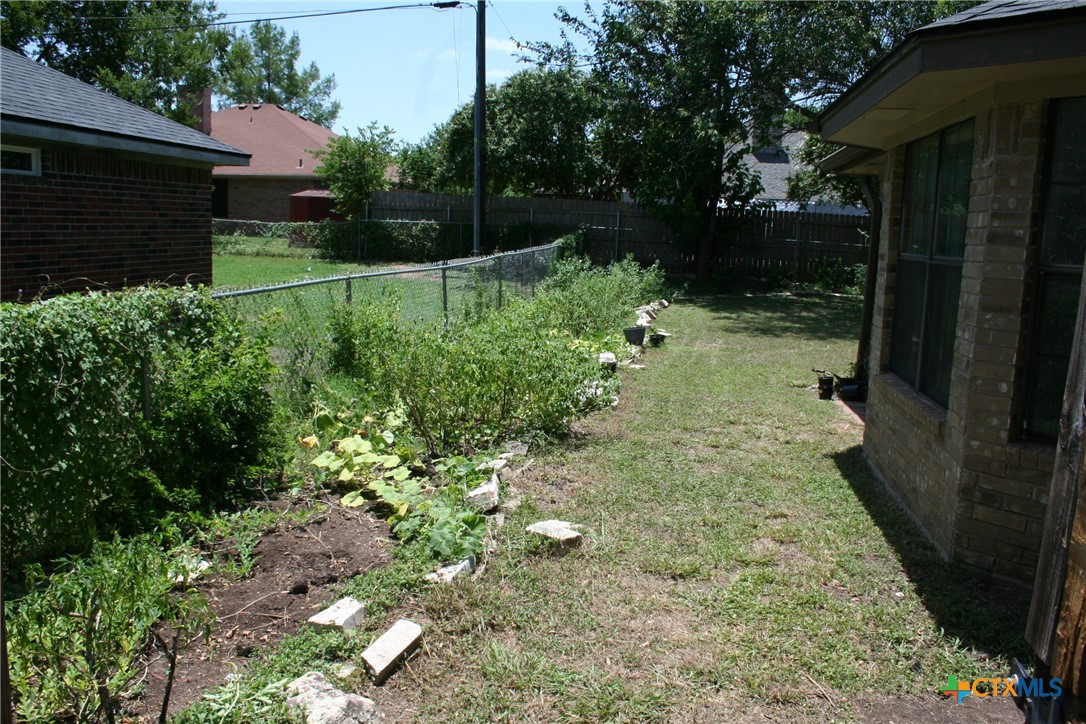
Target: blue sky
[[408, 69]]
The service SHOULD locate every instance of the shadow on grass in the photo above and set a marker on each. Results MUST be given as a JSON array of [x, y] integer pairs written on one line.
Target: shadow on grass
[[985, 614], [816, 316]]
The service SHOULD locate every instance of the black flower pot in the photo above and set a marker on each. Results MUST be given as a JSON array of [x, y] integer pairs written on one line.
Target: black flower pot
[[635, 335]]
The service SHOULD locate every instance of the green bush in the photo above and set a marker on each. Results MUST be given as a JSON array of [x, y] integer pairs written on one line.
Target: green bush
[[77, 639], [81, 458], [520, 371], [834, 275]]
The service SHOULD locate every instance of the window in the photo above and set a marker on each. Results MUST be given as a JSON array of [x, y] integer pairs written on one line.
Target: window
[[1061, 253], [16, 159], [938, 170]]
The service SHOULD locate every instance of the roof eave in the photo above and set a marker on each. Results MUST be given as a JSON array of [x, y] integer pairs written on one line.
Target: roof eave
[[854, 160], [1052, 36], [38, 131]]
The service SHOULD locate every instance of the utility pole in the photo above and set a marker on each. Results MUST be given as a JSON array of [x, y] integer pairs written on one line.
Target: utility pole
[[479, 203]]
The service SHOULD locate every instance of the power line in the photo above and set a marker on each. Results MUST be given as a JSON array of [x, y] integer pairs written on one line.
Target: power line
[[281, 17]]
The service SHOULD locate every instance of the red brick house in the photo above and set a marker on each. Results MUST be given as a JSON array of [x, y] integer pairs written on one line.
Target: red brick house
[[97, 192], [282, 163], [974, 125]]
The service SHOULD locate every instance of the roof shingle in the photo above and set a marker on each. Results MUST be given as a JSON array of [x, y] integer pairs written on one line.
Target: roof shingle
[[34, 93], [280, 141]]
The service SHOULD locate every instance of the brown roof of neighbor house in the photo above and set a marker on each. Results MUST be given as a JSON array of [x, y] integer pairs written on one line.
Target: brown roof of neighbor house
[[279, 141]]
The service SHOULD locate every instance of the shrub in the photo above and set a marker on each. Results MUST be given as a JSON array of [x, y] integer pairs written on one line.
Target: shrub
[[81, 458], [834, 275], [518, 371], [77, 639]]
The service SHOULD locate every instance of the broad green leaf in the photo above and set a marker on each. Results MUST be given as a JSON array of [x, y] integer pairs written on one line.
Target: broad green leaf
[[400, 473], [355, 444], [390, 461], [325, 459], [324, 422], [345, 475], [353, 499]]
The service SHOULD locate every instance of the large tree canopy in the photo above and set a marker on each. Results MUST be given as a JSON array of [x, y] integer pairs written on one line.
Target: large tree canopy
[[541, 140], [261, 67], [149, 53], [689, 86]]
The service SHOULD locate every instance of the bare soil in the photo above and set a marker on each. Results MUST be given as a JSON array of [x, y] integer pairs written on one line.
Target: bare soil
[[293, 578]]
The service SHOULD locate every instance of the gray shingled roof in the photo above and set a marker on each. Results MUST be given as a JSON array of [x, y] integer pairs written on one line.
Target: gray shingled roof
[[43, 103], [998, 10]]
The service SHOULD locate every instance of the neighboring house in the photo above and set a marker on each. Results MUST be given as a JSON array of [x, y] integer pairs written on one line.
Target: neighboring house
[[282, 164], [975, 126], [774, 164], [98, 192]]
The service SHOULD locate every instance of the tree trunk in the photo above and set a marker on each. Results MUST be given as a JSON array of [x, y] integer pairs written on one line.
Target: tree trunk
[[707, 227]]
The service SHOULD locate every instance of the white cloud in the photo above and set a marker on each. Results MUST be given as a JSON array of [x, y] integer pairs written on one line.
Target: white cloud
[[507, 46], [498, 74], [447, 54]]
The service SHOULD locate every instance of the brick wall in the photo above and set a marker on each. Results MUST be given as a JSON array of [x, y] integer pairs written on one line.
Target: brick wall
[[94, 219], [905, 439], [976, 490], [1005, 482], [260, 199]]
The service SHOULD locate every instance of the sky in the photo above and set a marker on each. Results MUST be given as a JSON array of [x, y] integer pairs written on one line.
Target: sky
[[407, 69]]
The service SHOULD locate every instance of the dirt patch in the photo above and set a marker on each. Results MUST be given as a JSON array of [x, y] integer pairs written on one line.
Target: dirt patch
[[296, 569], [934, 708]]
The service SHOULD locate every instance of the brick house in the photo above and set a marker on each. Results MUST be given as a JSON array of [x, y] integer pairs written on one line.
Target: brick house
[[98, 192], [282, 164], [974, 126]]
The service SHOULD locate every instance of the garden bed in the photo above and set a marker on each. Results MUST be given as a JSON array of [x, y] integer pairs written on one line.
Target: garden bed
[[295, 573]]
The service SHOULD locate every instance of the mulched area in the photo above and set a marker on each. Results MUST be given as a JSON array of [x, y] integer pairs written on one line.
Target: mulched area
[[293, 578]]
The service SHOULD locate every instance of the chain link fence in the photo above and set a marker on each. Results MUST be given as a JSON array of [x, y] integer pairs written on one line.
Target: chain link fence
[[295, 317]]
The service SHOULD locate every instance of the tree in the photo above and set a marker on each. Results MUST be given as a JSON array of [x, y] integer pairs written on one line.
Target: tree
[[689, 85], [354, 167], [540, 139], [149, 53], [261, 67]]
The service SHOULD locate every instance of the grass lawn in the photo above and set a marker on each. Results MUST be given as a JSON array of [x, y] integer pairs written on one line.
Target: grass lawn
[[239, 271], [739, 562]]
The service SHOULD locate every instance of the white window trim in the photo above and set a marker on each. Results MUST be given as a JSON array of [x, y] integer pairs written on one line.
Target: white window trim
[[35, 160]]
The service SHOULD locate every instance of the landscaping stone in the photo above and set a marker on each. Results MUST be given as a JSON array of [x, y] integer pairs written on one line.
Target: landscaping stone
[[325, 704], [664, 303], [608, 358], [387, 651], [447, 574], [644, 320], [496, 465], [558, 530], [637, 367], [485, 497], [345, 613], [512, 474], [191, 568], [647, 311], [517, 448]]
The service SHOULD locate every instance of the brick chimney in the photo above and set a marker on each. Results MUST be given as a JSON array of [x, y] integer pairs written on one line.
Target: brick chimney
[[199, 102]]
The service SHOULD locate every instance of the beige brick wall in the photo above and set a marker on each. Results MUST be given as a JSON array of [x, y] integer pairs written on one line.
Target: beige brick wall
[[963, 475]]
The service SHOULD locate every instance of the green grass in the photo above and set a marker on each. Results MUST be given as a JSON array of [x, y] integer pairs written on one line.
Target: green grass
[[240, 271], [739, 555], [739, 558]]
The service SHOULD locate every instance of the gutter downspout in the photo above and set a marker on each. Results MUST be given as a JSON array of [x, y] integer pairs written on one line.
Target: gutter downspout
[[874, 207]]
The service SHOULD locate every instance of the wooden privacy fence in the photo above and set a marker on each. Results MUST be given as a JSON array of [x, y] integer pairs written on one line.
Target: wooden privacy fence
[[754, 242], [767, 242]]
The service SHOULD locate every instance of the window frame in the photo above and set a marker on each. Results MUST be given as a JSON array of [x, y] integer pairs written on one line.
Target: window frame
[[35, 160], [912, 366], [1042, 284]]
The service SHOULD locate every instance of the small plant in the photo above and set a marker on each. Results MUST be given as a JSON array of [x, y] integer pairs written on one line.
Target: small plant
[[78, 638]]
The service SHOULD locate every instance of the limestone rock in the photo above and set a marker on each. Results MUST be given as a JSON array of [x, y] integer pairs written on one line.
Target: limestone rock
[[516, 448], [346, 613], [447, 574], [485, 497], [558, 530], [325, 704], [387, 651]]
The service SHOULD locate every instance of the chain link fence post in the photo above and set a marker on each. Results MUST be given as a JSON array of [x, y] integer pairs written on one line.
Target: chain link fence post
[[348, 285], [445, 292], [499, 265]]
